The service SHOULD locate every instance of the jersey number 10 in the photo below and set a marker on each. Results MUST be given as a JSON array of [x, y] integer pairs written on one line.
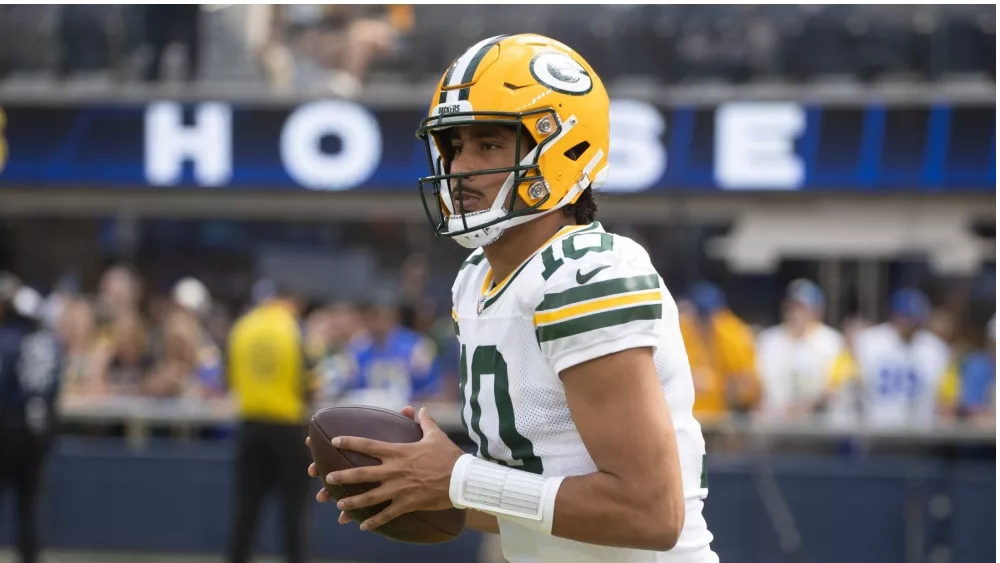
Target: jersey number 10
[[489, 370]]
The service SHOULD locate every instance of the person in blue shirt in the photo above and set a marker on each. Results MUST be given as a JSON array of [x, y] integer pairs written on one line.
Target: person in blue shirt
[[30, 364], [978, 377], [391, 362]]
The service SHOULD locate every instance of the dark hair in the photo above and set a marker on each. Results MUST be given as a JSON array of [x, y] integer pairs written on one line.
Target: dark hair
[[584, 211]]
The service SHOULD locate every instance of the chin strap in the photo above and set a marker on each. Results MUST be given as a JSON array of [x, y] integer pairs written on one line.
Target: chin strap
[[488, 235], [483, 236]]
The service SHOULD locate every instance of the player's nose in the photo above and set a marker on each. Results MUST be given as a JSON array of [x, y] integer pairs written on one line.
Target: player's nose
[[458, 168], [462, 164]]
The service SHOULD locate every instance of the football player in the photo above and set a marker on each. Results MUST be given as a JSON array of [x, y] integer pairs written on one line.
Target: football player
[[575, 386]]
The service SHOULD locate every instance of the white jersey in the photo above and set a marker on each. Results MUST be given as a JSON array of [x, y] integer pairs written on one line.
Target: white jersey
[[585, 294], [900, 380], [795, 369]]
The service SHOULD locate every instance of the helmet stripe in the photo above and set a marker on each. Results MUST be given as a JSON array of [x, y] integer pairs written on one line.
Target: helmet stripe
[[470, 71], [465, 68], [447, 79]]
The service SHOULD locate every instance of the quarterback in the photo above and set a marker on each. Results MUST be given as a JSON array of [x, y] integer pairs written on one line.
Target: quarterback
[[575, 386]]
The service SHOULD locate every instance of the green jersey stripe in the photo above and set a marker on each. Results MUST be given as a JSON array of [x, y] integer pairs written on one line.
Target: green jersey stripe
[[473, 260], [510, 282], [597, 290], [604, 319]]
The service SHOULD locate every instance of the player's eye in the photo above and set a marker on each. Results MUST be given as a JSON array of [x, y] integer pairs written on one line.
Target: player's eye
[[455, 150], [490, 146]]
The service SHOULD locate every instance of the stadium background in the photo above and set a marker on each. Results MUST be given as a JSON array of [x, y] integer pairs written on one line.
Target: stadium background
[[266, 159]]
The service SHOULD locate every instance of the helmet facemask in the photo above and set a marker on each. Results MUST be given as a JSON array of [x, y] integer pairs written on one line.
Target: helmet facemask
[[443, 201]]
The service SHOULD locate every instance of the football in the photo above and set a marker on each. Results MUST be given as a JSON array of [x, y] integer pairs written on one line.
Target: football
[[386, 426]]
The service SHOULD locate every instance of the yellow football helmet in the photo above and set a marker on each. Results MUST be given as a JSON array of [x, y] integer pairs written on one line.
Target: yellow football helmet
[[545, 89]]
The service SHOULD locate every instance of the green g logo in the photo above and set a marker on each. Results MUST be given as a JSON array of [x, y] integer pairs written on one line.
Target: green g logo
[[561, 73]]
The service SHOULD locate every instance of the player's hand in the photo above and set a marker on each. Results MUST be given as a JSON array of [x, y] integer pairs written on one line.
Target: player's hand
[[413, 476], [322, 495]]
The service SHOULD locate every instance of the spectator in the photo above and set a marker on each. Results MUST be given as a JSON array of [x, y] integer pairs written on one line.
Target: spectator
[[442, 334], [119, 293], [193, 343], [89, 38], [160, 309], [216, 325], [901, 365], [29, 381], [843, 389], [123, 356], [394, 364], [78, 331], [66, 290], [190, 365], [342, 39], [169, 23], [192, 297], [978, 381], [720, 349], [273, 387], [337, 366], [794, 358]]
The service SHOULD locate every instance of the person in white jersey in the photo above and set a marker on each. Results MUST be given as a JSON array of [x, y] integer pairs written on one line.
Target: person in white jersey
[[795, 358], [575, 386], [901, 365]]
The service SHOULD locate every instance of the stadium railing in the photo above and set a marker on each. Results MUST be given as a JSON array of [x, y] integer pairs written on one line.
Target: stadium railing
[[186, 416]]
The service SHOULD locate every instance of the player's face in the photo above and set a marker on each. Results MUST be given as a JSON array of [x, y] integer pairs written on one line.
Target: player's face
[[482, 147]]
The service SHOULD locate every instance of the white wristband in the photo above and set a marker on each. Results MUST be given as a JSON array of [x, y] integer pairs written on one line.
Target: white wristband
[[515, 495]]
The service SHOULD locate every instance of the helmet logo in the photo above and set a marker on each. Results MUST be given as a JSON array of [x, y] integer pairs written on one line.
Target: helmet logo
[[562, 73]]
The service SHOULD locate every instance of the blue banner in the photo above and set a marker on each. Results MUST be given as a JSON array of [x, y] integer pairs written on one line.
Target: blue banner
[[335, 145]]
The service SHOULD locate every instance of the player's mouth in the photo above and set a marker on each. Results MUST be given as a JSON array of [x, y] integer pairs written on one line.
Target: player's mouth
[[467, 200]]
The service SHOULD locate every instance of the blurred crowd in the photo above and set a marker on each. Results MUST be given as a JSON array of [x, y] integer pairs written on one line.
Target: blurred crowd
[[120, 341], [913, 370], [115, 343], [333, 48]]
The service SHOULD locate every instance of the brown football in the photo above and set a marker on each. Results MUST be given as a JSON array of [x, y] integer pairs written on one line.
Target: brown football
[[387, 426]]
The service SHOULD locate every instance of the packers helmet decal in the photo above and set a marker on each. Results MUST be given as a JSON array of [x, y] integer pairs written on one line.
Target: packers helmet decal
[[542, 89], [561, 73]]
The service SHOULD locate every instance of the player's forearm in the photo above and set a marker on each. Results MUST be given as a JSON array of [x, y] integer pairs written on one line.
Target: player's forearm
[[481, 522], [601, 508]]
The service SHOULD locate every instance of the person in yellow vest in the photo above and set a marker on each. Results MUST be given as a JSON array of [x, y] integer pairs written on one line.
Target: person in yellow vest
[[272, 382], [720, 349]]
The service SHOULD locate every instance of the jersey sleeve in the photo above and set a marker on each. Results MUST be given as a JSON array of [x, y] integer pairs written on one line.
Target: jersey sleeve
[[599, 299]]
